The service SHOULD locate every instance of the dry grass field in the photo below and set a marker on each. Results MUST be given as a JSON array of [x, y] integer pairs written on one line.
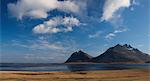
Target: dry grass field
[[104, 75]]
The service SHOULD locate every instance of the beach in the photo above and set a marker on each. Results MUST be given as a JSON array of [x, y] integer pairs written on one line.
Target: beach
[[101, 75]]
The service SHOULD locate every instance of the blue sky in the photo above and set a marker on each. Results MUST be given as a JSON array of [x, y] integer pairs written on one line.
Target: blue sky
[[50, 30]]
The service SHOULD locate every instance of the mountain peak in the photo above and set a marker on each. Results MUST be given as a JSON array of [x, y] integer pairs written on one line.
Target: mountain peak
[[80, 51], [127, 46], [118, 45], [79, 56]]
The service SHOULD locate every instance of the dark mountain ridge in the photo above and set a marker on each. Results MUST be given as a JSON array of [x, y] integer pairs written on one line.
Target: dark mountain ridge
[[122, 53], [117, 54], [79, 56]]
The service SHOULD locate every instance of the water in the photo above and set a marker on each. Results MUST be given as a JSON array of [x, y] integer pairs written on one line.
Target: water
[[56, 67]]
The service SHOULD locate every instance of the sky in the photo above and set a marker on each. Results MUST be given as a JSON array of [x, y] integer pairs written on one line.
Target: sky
[[49, 31]]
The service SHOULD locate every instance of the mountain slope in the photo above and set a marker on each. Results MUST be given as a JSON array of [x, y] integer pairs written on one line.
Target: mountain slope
[[122, 53], [79, 57]]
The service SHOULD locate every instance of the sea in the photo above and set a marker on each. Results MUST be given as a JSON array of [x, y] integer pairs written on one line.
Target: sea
[[61, 67]]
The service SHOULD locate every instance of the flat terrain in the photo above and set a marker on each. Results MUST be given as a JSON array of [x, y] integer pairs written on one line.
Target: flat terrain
[[104, 75]]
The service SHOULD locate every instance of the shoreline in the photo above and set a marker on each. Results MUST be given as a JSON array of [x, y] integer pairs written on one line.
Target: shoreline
[[21, 71], [81, 63], [106, 75], [102, 63]]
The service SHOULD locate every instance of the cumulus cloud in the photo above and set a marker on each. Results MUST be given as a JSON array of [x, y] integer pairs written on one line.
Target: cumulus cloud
[[27, 8], [57, 24], [40, 8], [111, 13], [112, 6]]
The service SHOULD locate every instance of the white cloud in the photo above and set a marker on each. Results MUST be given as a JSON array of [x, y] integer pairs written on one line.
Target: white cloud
[[97, 34], [46, 45], [112, 6], [57, 24], [40, 8], [110, 36], [37, 14], [44, 29], [120, 30], [40, 44], [113, 34]]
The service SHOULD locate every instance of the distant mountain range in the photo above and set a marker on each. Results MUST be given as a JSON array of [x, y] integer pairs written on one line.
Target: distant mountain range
[[117, 54]]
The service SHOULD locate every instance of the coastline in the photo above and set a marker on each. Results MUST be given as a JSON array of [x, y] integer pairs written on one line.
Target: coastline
[[104, 63], [103, 75]]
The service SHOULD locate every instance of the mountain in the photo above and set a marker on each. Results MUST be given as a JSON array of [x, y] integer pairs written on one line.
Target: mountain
[[117, 54], [122, 54], [79, 56]]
